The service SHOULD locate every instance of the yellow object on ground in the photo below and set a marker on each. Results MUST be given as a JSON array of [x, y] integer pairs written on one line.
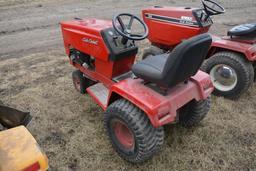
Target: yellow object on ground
[[19, 151]]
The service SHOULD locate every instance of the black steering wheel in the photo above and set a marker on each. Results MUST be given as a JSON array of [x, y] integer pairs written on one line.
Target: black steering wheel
[[126, 30], [212, 8]]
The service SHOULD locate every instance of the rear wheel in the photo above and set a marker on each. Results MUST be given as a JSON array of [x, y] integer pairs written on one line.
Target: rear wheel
[[80, 82], [193, 112], [151, 51], [131, 133], [230, 73]]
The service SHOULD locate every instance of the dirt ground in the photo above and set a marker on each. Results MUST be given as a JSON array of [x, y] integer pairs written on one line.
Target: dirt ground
[[35, 76]]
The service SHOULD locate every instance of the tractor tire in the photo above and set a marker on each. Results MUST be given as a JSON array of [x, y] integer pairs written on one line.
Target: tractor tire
[[194, 112], [151, 51], [234, 63], [80, 82], [131, 133]]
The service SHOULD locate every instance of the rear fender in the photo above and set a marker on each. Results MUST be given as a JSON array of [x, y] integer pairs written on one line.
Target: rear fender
[[161, 109], [221, 44]]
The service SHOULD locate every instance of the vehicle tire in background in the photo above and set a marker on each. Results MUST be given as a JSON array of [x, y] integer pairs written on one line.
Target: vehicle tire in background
[[231, 73], [153, 50]]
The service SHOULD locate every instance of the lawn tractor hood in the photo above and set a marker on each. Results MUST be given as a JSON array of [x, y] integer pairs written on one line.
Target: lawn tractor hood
[[85, 35], [171, 25]]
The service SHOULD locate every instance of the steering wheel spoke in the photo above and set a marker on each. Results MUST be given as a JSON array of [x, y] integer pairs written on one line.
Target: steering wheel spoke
[[130, 23], [120, 21]]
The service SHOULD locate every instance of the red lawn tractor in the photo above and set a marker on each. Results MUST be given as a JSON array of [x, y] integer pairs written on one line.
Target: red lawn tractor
[[230, 60], [138, 99]]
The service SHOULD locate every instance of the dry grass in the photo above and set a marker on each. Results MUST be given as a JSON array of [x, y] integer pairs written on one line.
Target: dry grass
[[68, 126]]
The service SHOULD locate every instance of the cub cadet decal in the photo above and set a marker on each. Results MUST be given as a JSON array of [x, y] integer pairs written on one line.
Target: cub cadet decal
[[87, 40], [185, 20]]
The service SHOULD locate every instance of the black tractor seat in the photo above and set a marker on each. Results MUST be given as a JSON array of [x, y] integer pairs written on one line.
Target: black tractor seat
[[243, 30], [169, 69]]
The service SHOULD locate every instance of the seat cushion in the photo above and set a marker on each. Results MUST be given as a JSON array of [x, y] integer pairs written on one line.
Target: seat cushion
[[151, 68], [243, 30], [169, 69]]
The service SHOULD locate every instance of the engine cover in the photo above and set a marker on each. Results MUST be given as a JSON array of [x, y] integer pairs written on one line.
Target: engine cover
[[168, 26]]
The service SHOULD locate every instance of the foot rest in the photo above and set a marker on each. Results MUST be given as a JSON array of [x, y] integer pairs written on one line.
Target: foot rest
[[99, 93]]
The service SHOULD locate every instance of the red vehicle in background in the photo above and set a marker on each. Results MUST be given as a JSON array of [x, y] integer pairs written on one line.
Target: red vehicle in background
[[230, 60], [138, 99]]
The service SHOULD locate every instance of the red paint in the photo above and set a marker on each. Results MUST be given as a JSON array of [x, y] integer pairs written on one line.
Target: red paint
[[123, 134], [95, 98], [94, 75], [248, 40], [160, 109], [246, 47], [112, 69], [73, 34], [74, 31], [33, 167], [167, 35]]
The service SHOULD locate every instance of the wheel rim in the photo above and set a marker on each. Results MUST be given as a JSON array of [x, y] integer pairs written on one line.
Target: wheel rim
[[123, 134], [224, 77], [77, 84]]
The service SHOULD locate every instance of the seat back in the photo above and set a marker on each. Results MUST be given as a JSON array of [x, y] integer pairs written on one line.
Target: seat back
[[185, 60]]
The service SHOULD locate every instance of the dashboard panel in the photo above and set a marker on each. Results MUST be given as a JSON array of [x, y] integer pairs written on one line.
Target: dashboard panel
[[202, 18], [114, 43]]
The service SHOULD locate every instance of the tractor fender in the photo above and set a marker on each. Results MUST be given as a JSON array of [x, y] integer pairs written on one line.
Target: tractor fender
[[138, 97], [161, 109], [223, 44]]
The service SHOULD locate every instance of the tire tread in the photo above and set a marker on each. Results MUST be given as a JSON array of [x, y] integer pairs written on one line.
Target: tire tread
[[240, 63], [150, 139]]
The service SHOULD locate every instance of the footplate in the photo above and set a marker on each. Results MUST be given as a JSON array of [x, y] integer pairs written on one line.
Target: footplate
[[99, 93]]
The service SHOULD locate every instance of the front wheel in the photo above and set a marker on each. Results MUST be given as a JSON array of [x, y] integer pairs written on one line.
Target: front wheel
[[80, 82], [230, 73], [131, 133]]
